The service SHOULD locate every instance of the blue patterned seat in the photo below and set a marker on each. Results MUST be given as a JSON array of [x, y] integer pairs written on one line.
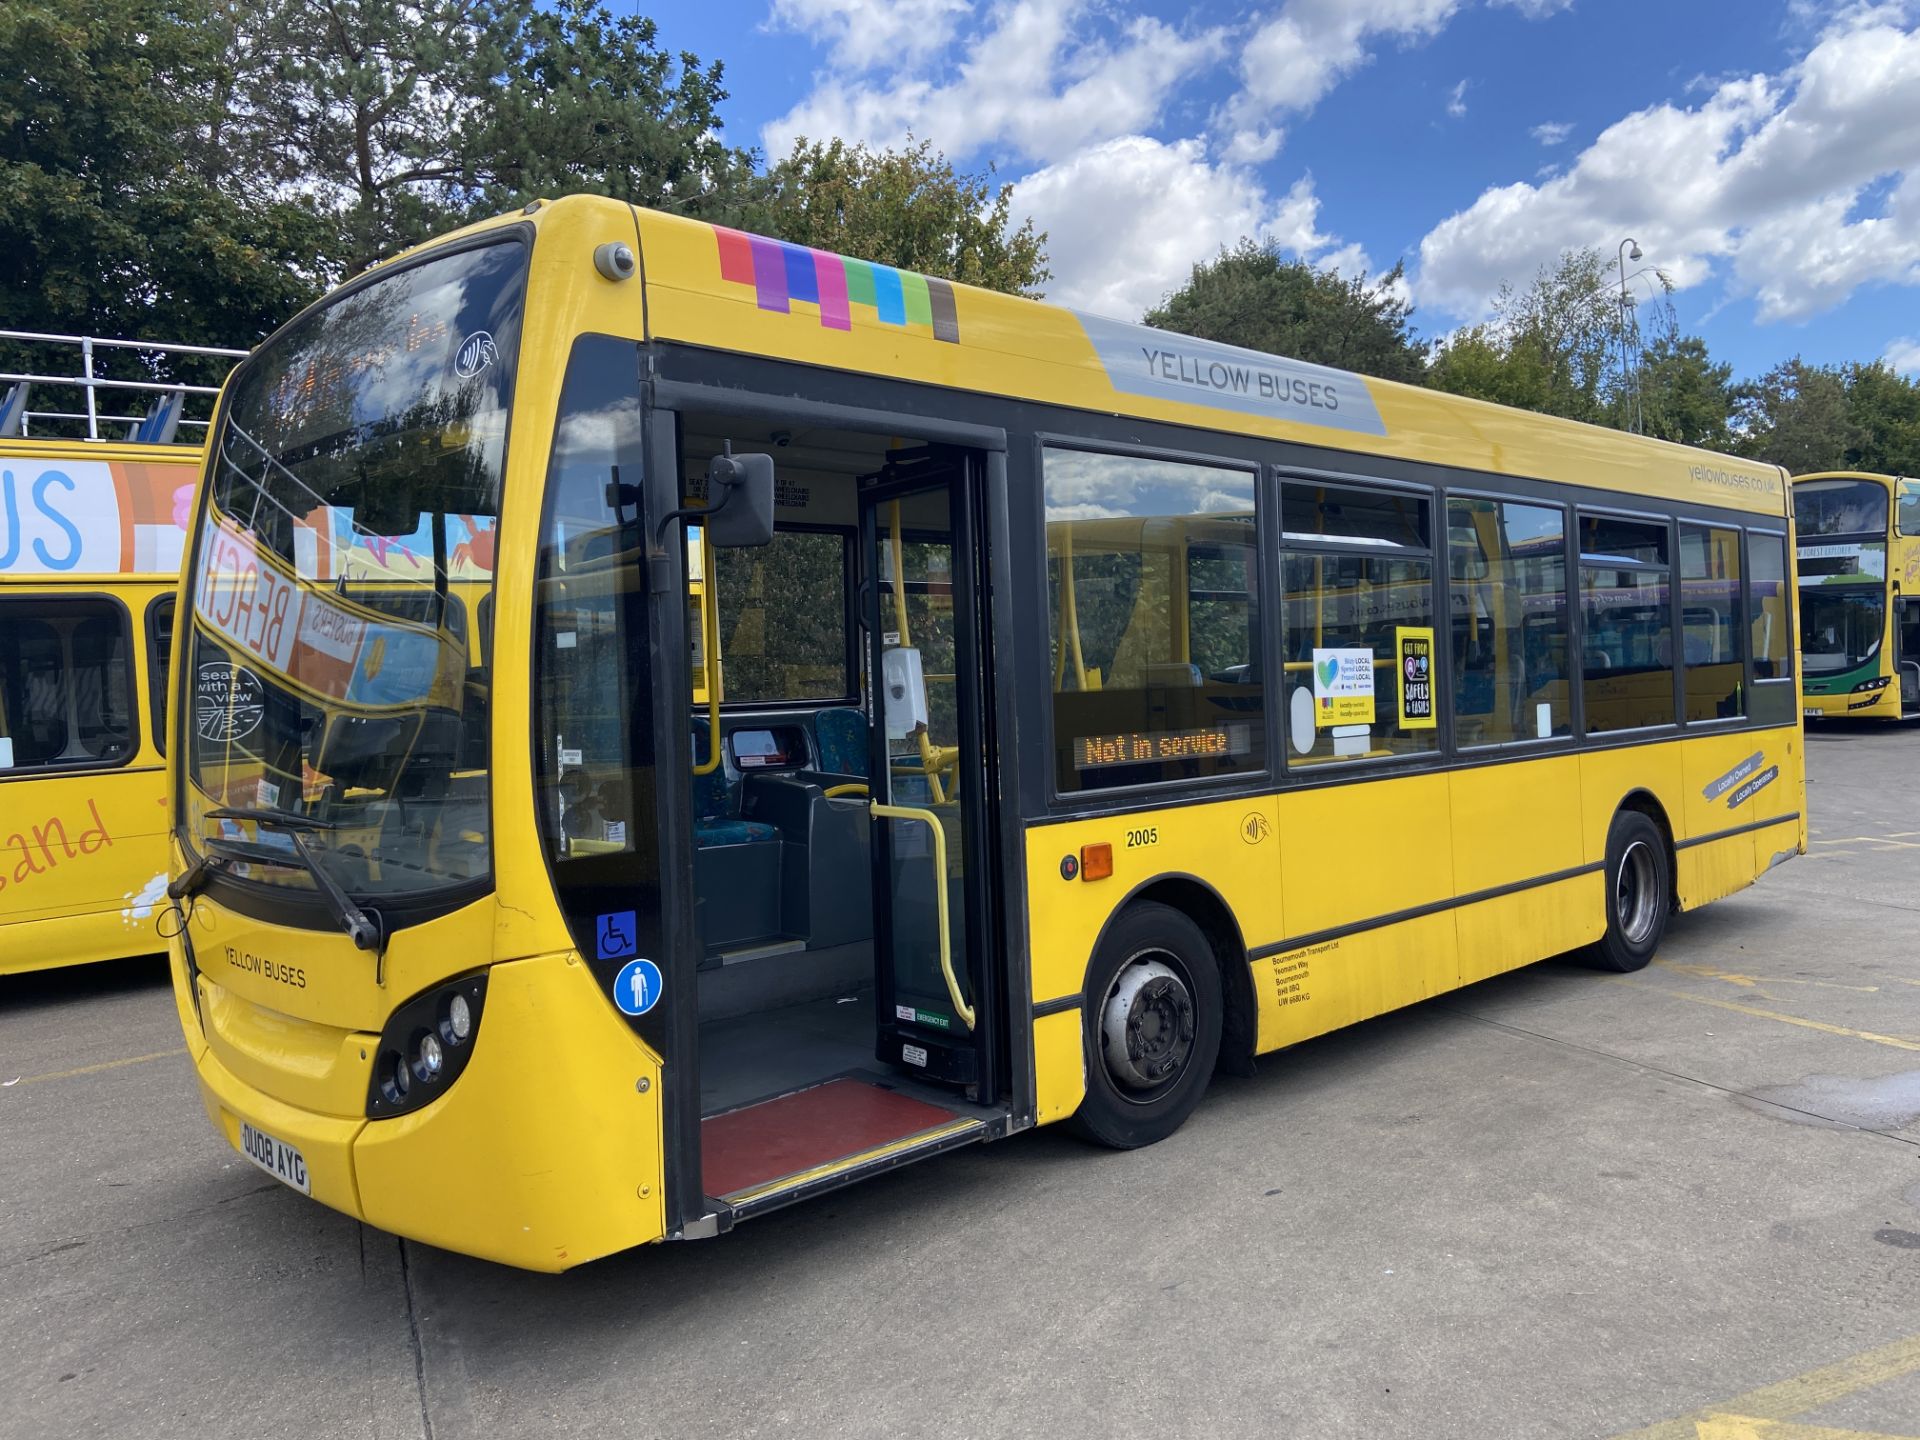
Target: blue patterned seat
[[714, 820], [842, 737]]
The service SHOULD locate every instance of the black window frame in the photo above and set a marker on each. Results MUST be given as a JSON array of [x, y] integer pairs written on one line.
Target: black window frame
[[39, 605]]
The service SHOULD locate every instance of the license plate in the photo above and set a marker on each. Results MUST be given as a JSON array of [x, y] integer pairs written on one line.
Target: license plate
[[1812, 713], [276, 1157]]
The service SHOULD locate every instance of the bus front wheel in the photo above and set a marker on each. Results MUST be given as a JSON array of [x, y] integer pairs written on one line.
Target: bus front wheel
[[1639, 891], [1151, 1027]]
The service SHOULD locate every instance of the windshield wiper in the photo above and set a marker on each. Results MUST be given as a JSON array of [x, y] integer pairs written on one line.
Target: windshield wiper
[[361, 928], [279, 819]]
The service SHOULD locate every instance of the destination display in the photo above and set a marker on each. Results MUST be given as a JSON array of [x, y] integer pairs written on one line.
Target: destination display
[[1152, 747]]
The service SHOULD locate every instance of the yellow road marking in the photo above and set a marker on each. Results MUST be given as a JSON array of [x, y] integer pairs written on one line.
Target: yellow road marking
[[1732, 977], [1883, 840], [1894, 1040], [103, 1065], [1788, 1398], [1742, 1427]]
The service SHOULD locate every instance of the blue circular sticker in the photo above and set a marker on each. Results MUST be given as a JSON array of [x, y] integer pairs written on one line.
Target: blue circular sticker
[[636, 989]]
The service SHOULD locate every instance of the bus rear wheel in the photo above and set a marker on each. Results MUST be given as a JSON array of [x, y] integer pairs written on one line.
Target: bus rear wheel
[[1151, 1027], [1639, 893]]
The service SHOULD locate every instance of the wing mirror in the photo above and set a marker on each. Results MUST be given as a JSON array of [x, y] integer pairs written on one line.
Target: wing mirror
[[739, 509]]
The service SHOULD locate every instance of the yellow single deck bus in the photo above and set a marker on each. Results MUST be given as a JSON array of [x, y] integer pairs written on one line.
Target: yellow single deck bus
[[1081, 708], [1859, 566], [94, 508]]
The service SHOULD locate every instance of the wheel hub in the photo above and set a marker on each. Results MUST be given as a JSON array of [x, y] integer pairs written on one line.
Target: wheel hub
[[1147, 1025], [1634, 900]]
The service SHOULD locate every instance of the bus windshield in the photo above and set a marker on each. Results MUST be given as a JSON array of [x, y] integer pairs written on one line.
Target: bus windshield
[[1840, 626], [1840, 507], [335, 697]]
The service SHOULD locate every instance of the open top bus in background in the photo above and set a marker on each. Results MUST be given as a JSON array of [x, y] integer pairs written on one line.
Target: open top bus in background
[[97, 472], [1859, 563], [1096, 707]]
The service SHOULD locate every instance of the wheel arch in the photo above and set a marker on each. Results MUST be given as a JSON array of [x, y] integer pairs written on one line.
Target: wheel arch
[[1202, 904]]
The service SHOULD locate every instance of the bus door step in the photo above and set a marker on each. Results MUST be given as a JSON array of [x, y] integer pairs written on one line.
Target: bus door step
[[776, 1151]]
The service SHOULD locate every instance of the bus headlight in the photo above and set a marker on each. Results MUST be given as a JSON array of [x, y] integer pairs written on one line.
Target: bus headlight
[[427, 1042], [459, 1019], [1879, 682]]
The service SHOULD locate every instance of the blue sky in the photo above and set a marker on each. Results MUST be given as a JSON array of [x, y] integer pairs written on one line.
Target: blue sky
[[1765, 153]]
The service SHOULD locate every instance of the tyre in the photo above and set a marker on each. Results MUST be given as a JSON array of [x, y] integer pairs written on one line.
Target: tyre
[[1639, 894], [1151, 1027]]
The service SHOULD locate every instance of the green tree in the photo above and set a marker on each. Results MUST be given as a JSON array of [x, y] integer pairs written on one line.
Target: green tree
[[399, 119], [1254, 296], [1559, 343], [1685, 395], [1796, 415], [908, 208], [1884, 406], [111, 220]]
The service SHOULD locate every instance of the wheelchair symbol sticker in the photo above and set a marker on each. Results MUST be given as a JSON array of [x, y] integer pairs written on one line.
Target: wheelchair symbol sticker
[[616, 936], [636, 989]]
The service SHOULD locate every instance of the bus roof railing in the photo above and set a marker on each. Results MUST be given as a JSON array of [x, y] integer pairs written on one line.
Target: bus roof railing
[[165, 414]]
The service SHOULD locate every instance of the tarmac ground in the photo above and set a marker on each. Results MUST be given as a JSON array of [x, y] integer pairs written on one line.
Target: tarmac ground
[[1681, 1204]]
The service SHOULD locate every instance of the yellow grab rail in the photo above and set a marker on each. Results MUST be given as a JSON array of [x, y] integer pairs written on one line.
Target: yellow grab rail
[[710, 652], [932, 822]]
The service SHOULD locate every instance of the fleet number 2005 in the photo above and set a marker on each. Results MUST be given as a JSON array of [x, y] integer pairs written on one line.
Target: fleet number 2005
[[1148, 836]]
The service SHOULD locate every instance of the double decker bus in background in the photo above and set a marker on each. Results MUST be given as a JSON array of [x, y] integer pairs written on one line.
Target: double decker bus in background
[[1859, 562], [909, 715], [98, 463]]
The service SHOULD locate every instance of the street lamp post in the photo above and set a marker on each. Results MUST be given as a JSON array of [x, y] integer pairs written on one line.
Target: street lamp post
[[1629, 370]]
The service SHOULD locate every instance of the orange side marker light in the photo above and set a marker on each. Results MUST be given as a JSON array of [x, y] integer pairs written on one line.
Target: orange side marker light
[[1096, 861]]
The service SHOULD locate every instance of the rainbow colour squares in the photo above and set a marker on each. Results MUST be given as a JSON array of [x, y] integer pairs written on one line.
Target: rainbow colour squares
[[781, 273]]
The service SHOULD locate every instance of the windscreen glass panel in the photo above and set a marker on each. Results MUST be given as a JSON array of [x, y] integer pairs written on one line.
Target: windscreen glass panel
[[1841, 629], [1839, 507], [1153, 620], [351, 512]]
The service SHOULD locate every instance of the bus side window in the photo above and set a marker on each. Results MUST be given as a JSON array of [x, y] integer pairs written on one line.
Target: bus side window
[[159, 664], [593, 739], [1152, 620], [1626, 602], [65, 692], [1508, 564], [1711, 636], [1348, 612], [1774, 699]]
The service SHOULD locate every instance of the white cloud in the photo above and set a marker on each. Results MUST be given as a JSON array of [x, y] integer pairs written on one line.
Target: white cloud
[[1756, 185], [1108, 241], [1457, 100], [1039, 78], [1292, 60], [1551, 132], [866, 33], [1904, 355]]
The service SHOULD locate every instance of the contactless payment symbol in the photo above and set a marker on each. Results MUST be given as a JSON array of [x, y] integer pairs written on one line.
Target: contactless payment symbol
[[636, 989], [616, 936]]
